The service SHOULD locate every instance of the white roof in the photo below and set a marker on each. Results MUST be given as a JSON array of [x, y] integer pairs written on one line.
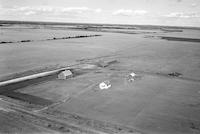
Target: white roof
[[104, 85], [132, 74]]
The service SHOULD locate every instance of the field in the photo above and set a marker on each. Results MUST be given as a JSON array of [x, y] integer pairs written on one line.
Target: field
[[164, 98]]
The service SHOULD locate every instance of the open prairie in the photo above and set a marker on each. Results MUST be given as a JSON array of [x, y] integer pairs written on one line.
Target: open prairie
[[163, 98]]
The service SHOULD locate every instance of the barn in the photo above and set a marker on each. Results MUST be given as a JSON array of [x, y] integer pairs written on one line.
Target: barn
[[65, 74]]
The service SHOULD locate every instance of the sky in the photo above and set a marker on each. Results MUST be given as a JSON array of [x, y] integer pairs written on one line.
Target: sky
[[144, 12]]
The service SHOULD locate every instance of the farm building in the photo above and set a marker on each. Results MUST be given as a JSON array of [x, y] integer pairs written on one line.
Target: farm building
[[65, 74]]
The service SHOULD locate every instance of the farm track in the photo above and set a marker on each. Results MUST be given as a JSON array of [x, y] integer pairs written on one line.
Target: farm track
[[66, 123]]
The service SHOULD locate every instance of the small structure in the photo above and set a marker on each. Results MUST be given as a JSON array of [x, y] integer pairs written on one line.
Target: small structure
[[131, 77], [65, 74], [102, 64], [132, 74], [104, 85], [174, 74]]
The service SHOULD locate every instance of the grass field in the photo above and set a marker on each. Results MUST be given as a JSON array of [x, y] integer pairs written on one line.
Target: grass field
[[155, 103]]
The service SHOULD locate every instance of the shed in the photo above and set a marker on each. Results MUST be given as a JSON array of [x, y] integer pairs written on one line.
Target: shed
[[102, 64], [131, 77], [104, 85], [65, 74]]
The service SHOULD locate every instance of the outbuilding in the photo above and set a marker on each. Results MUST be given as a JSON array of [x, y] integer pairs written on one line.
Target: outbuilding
[[104, 85], [65, 74]]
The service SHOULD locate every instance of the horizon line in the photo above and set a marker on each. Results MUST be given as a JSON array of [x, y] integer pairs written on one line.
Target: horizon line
[[64, 23]]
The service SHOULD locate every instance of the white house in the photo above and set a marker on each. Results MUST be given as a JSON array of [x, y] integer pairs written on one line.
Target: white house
[[104, 85]]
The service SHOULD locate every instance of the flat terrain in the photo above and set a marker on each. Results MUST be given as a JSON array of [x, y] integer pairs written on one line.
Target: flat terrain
[[163, 99]]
